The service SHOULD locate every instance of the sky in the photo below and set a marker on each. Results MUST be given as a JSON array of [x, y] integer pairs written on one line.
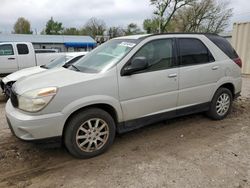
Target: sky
[[75, 13]]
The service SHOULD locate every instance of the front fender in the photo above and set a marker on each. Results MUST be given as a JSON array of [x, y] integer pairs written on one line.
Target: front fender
[[92, 100]]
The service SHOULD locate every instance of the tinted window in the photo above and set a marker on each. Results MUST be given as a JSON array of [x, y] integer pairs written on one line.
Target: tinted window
[[159, 54], [193, 51], [224, 45], [22, 49], [6, 49]]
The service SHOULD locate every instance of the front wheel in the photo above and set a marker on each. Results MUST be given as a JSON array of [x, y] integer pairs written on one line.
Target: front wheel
[[89, 133], [221, 104]]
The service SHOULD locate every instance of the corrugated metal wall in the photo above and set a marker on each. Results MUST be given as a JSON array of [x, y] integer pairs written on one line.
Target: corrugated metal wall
[[241, 43]]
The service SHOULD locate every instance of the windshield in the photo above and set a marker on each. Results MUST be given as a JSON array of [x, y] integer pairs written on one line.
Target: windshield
[[58, 62], [105, 56]]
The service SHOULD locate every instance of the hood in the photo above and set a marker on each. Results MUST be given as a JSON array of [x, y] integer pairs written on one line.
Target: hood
[[22, 73], [58, 77]]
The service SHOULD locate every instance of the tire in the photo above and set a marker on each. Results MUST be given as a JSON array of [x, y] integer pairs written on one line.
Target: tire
[[214, 110], [6, 97], [89, 133]]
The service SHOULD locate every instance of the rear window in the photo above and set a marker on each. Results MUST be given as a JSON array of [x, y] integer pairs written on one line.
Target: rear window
[[224, 45], [22, 49], [193, 52]]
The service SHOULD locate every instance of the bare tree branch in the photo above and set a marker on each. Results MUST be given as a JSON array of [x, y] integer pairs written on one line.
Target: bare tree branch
[[165, 10], [204, 16]]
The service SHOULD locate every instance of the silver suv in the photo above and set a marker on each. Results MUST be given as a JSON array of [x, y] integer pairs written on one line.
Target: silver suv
[[124, 84]]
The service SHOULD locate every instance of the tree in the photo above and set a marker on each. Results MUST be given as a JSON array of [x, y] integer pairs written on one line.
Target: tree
[[204, 16], [22, 26], [71, 31], [115, 32], [151, 25], [53, 27], [165, 10], [132, 29], [94, 27]]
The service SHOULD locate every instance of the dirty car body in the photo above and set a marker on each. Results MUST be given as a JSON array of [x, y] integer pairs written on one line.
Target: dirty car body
[[124, 84]]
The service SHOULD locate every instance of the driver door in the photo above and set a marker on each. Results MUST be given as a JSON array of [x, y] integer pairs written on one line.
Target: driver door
[[8, 61], [155, 89]]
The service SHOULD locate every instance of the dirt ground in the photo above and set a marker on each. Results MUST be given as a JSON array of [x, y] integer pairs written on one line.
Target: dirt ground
[[191, 151]]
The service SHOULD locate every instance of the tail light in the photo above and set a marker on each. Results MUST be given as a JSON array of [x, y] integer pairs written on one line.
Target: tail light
[[238, 61]]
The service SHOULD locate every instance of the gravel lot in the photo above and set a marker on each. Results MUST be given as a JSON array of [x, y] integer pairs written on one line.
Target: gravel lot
[[191, 151]]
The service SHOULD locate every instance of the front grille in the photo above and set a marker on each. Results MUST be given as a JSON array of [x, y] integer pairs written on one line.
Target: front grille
[[8, 88], [13, 98]]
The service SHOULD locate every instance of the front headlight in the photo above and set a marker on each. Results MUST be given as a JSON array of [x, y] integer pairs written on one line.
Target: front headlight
[[36, 100]]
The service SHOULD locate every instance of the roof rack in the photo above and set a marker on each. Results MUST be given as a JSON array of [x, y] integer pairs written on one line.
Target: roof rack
[[181, 33]]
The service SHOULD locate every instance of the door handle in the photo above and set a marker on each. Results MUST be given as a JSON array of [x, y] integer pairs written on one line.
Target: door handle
[[172, 75], [11, 58], [215, 67]]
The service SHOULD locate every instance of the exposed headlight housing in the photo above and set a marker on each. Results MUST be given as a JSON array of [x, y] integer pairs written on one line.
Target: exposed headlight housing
[[36, 100]]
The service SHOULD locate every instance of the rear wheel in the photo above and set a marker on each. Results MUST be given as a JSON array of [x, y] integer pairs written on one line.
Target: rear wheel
[[221, 104], [89, 133]]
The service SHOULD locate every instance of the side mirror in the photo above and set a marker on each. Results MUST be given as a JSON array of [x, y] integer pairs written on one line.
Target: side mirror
[[137, 64]]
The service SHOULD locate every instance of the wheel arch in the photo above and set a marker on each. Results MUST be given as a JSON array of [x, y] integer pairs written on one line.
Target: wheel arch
[[103, 106], [229, 86]]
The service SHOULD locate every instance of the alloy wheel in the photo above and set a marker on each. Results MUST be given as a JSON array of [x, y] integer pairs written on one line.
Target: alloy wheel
[[223, 104], [92, 135]]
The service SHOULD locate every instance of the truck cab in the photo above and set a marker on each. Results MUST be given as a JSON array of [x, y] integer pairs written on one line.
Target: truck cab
[[15, 56]]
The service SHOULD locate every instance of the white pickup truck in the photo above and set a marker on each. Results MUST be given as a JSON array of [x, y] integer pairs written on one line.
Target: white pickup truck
[[19, 55]]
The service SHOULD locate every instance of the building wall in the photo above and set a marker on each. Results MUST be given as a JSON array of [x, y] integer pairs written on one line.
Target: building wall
[[60, 47], [64, 43], [241, 43]]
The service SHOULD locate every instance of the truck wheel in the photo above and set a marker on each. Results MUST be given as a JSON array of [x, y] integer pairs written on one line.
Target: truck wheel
[[221, 104], [89, 133]]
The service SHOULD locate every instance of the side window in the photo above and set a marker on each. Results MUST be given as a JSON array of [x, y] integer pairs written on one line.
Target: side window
[[224, 45], [6, 49], [159, 54], [193, 51], [22, 49]]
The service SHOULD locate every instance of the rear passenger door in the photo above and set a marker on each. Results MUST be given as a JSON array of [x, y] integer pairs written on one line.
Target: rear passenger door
[[198, 72]]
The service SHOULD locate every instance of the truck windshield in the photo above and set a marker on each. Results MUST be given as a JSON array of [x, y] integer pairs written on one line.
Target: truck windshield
[[105, 56]]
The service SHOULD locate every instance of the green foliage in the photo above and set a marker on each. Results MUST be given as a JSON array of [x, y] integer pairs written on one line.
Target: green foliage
[[94, 27], [151, 25], [53, 27], [115, 32], [22, 26], [166, 9], [132, 29], [71, 31]]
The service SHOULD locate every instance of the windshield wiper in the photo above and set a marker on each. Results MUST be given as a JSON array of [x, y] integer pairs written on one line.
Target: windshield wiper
[[67, 65], [44, 66], [77, 69]]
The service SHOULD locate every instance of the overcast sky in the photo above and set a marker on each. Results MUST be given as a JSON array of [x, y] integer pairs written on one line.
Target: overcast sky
[[74, 13]]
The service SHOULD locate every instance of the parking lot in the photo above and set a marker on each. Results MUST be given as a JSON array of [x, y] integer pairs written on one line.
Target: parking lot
[[191, 151]]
